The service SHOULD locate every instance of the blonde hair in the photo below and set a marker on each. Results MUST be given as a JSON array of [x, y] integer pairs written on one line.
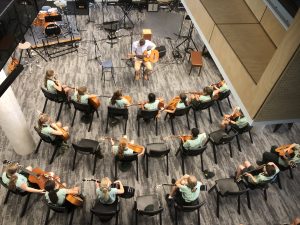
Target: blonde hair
[[192, 183], [44, 118], [11, 170], [105, 188], [49, 75]]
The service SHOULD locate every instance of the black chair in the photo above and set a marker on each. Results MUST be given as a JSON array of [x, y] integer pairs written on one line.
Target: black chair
[[265, 185], [127, 159], [190, 153], [227, 187], [105, 212], [191, 208], [113, 112], [47, 139], [287, 168], [19, 193], [148, 205], [58, 209], [87, 147], [221, 97], [147, 115], [58, 98], [220, 137], [201, 107], [87, 109], [156, 150], [179, 112], [240, 131]]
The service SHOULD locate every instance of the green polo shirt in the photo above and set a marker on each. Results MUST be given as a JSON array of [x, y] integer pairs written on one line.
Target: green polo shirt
[[151, 106], [20, 180], [204, 98], [127, 151], [47, 130], [84, 99], [121, 103], [61, 195], [187, 193], [241, 122], [224, 88], [195, 143], [112, 196], [50, 86], [261, 178]]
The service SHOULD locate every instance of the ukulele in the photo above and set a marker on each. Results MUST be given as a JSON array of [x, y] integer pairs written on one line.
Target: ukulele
[[40, 177]]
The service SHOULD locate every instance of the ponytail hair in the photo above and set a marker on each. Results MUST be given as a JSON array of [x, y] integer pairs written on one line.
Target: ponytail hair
[[122, 146], [11, 173], [49, 75], [52, 193], [208, 91], [116, 96], [105, 188]]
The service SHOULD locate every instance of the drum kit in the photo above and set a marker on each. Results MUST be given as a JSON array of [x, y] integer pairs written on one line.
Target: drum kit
[[47, 18]]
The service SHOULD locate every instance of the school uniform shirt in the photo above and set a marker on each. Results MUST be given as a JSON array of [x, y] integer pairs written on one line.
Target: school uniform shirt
[[261, 178], [50, 86], [139, 50], [20, 180], [127, 151], [296, 158], [224, 88], [195, 143], [152, 106], [187, 193], [241, 122], [61, 195], [47, 130], [84, 99], [120, 103], [204, 98], [112, 196]]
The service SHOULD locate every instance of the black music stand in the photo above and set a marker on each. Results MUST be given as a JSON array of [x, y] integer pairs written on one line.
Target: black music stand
[[111, 27], [96, 49], [126, 6]]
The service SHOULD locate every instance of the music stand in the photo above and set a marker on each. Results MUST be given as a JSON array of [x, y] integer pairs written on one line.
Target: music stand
[[95, 49], [111, 27], [126, 6]]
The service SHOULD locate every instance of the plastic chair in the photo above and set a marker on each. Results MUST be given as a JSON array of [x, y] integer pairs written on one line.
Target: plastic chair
[[113, 112], [192, 153], [147, 115], [58, 209], [179, 112], [184, 209], [87, 147], [127, 159]]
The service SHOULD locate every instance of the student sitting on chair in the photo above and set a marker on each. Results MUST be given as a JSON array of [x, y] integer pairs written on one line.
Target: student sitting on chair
[[197, 140], [18, 181], [256, 176], [186, 191], [57, 195], [107, 194], [236, 119], [118, 101]]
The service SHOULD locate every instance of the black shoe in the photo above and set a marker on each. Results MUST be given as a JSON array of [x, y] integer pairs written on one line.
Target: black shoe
[[173, 181], [259, 163]]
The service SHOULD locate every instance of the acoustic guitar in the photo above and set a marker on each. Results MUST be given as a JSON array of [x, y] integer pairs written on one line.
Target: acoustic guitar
[[40, 177], [153, 57]]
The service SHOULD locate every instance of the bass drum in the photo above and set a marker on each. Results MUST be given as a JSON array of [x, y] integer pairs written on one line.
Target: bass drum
[[52, 29]]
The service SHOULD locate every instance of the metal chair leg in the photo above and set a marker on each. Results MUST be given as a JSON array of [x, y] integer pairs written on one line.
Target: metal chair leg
[[248, 200], [219, 107], [95, 163], [59, 111], [73, 118], [218, 204], [160, 218], [138, 127], [182, 163], [198, 215], [71, 217], [278, 181], [238, 143], [156, 127], [239, 204], [230, 150], [265, 195], [137, 170], [172, 126], [6, 197], [38, 146], [116, 169], [190, 70], [91, 220], [74, 160], [202, 167], [44, 108], [209, 112], [229, 102], [250, 135], [291, 173], [167, 165], [147, 162], [91, 122], [125, 126], [47, 216], [106, 128], [117, 218], [176, 217], [187, 120], [53, 155], [195, 118], [215, 154]]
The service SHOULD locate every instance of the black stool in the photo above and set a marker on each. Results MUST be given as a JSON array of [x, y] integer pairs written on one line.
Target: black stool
[[148, 205]]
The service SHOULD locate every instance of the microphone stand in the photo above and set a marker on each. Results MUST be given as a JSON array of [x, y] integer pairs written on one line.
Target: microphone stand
[[95, 49]]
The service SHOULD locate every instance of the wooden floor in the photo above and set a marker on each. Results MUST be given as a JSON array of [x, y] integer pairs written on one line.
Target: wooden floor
[[168, 80]]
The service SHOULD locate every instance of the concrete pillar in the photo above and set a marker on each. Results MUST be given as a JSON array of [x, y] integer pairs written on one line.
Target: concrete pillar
[[13, 123]]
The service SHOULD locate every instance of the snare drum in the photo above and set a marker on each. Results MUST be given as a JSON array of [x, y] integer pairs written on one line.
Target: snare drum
[[52, 29]]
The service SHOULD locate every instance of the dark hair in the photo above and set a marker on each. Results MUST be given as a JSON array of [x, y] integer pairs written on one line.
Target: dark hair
[[151, 97], [183, 98], [270, 170], [116, 96], [208, 91], [142, 42], [50, 187], [195, 132]]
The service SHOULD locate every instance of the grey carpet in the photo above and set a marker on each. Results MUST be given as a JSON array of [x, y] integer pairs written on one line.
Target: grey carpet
[[167, 81]]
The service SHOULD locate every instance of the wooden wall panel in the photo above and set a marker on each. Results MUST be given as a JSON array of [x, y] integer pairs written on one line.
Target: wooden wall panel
[[273, 27], [202, 17], [257, 7]]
